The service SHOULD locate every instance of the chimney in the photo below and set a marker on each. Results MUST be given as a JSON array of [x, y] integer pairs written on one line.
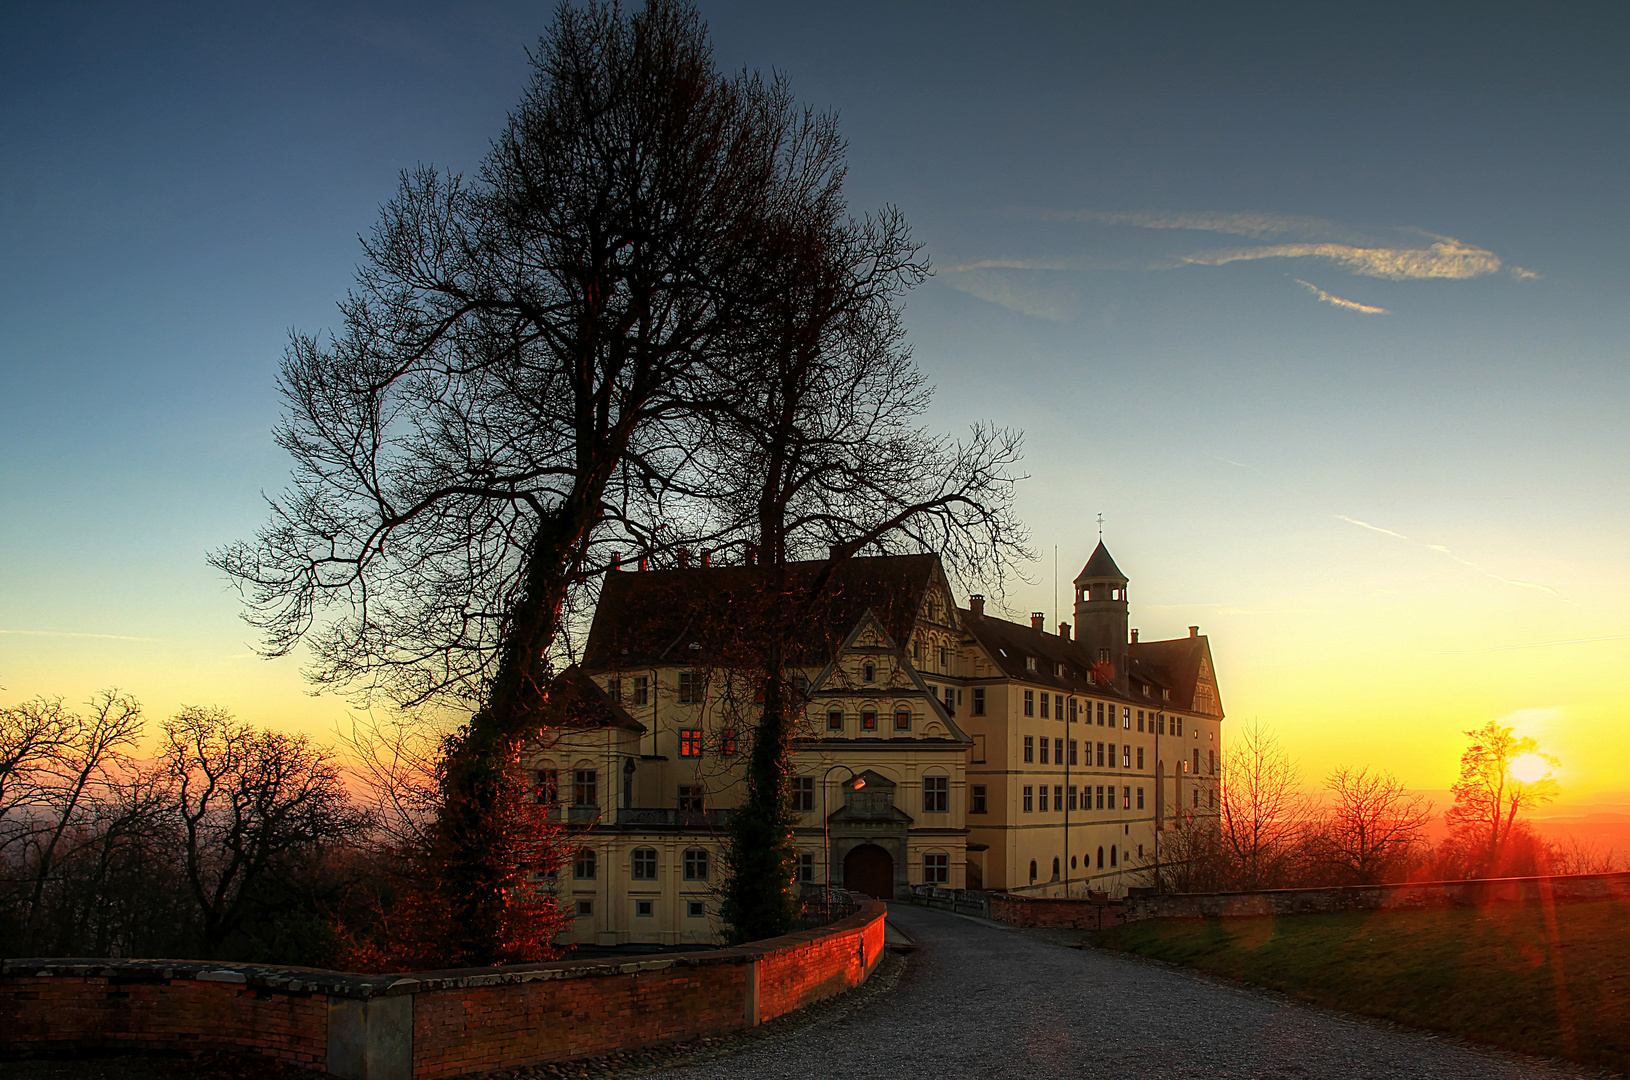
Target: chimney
[[1038, 620], [976, 605], [1064, 630], [707, 557], [1134, 637], [1194, 631], [642, 563], [683, 555], [616, 560]]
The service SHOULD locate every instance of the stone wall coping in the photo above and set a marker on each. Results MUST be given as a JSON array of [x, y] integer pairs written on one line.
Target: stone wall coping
[[299, 980], [1620, 876]]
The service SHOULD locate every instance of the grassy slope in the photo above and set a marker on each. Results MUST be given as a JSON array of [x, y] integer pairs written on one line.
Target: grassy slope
[[1555, 983]]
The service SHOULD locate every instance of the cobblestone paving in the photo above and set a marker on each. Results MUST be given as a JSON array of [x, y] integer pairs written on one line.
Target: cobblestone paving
[[982, 1001]]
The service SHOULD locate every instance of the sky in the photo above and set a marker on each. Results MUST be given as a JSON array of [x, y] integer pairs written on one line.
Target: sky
[[1323, 308]]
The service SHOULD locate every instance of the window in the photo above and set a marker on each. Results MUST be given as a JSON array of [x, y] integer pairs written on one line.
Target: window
[[868, 719], [1075, 758], [950, 700], [1211, 762], [1058, 704], [902, 720], [1046, 702], [614, 691], [690, 797], [1075, 708], [1029, 801], [869, 672], [1126, 798], [1043, 749], [1197, 761], [1112, 854], [936, 868], [1126, 755], [834, 720], [1111, 793], [585, 908], [916, 652], [645, 864], [1140, 719], [936, 794], [1211, 798], [1161, 730], [1030, 703], [806, 866], [1177, 725], [803, 794], [584, 864], [1111, 755], [1126, 717], [642, 690], [548, 789], [979, 701], [1032, 871], [690, 690], [645, 909], [690, 742], [695, 909], [1140, 798], [976, 799], [1058, 798], [1100, 858], [1100, 796], [1140, 759], [1030, 663], [1196, 798], [1055, 868], [1100, 755], [1030, 748], [585, 792], [1058, 751], [1069, 797], [1100, 714], [727, 742], [942, 657], [696, 864]]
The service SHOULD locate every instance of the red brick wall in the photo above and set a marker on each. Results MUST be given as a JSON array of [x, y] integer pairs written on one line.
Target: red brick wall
[[73, 1014], [815, 965]]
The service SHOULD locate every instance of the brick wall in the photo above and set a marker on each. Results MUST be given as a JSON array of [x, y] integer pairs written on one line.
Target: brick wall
[[427, 1025], [1419, 894], [1069, 913]]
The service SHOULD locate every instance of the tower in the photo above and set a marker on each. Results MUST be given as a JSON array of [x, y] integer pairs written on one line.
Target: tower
[[1100, 611]]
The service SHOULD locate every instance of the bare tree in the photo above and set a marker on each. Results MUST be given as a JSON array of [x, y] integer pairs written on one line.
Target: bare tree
[[1490, 801], [1371, 829], [252, 806], [504, 395], [1263, 810]]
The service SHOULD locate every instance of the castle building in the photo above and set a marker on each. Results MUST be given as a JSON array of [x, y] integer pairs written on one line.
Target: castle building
[[933, 744]]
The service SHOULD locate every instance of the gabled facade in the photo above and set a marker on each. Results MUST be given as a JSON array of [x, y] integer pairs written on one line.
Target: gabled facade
[[934, 744]]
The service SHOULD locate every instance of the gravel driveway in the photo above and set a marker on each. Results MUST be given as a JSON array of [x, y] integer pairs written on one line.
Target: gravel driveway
[[982, 1001]]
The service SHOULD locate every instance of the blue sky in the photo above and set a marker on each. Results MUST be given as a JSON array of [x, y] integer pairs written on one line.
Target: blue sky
[[1324, 310]]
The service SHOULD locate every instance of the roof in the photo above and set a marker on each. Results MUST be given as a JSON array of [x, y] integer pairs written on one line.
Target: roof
[[1101, 565], [710, 614], [576, 701], [1009, 643], [1182, 664]]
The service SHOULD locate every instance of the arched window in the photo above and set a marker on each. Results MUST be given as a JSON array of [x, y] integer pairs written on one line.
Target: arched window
[[1100, 858], [1032, 870], [1112, 854], [645, 864], [1055, 869], [1072, 862]]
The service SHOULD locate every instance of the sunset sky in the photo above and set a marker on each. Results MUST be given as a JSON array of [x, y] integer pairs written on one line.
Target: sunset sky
[[1325, 312]]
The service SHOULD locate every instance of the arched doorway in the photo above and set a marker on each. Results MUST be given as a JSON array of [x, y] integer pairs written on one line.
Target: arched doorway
[[870, 870]]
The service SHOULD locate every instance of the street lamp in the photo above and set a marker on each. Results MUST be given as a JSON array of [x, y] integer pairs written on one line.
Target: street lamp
[[826, 828]]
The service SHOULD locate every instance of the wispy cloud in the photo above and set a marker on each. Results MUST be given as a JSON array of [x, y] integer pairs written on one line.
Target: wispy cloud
[[1230, 461], [1235, 223], [1344, 304], [1448, 258], [1441, 550], [69, 634]]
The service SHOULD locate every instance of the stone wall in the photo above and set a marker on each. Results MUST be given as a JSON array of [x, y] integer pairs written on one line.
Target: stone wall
[[1420, 894], [1064, 912], [426, 1025]]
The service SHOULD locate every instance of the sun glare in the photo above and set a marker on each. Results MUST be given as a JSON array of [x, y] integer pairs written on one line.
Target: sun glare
[[1529, 768]]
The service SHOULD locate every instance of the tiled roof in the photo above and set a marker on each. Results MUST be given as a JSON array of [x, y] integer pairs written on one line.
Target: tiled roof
[[1100, 566], [1010, 643], [1178, 662], [710, 614]]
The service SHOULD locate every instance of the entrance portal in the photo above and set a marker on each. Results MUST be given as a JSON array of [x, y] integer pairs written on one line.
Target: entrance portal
[[869, 869]]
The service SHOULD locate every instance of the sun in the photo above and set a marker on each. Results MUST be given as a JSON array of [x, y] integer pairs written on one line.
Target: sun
[[1530, 768]]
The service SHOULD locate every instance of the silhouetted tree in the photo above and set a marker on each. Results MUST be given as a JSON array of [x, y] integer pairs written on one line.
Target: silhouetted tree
[[1371, 831], [1487, 815], [506, 392], [1263, 813]]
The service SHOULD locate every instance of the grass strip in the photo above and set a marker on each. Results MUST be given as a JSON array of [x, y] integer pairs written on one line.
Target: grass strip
[[1547, 980]]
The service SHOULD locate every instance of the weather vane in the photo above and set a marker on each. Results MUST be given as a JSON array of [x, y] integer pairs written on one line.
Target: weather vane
[[1100, 526]]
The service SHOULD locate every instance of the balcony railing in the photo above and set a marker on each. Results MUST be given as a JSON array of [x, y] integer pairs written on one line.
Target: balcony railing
[[663, 818]]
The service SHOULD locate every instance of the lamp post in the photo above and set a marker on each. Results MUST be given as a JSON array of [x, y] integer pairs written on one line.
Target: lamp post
[[826, 828]]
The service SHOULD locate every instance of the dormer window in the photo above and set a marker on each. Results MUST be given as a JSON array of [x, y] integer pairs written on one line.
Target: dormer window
[[869, 672], [1145, 689], [1058, 669], [1030, 663], [1166, 693]]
